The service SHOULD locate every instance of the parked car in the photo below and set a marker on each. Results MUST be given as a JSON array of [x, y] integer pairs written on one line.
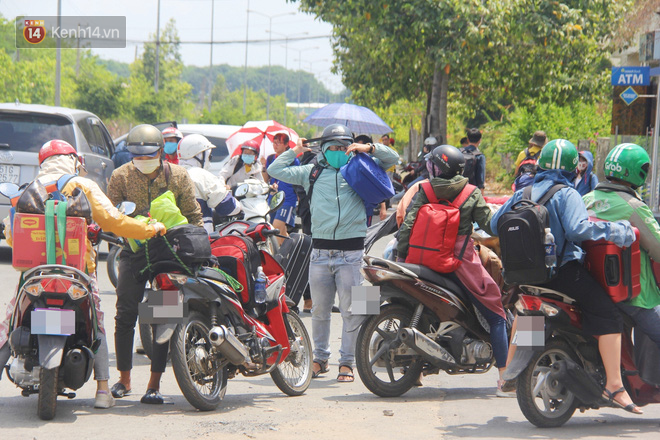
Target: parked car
[[217, 134], [24, 128]]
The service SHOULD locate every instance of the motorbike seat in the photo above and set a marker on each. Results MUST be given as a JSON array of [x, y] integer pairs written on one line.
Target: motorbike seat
[[448, 281]]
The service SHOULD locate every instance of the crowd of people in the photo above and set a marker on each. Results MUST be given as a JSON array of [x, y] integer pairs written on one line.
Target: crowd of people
[[334, 214]]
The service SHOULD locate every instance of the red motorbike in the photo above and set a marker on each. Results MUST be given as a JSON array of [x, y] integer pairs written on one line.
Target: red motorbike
[[227, 331], [563, 370]]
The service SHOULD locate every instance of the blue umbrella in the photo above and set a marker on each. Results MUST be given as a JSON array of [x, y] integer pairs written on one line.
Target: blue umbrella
[[358, 119]]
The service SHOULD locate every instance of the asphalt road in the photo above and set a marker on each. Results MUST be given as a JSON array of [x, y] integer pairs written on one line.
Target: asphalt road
[[446, 407]]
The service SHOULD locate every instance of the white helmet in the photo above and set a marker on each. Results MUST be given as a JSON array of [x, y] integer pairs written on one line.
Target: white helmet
[[193, 144], [431, 141]]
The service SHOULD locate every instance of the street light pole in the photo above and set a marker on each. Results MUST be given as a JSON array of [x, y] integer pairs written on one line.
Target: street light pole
[[247, 27], [58, 56], [211, 57], [157, 49], [300, 51]]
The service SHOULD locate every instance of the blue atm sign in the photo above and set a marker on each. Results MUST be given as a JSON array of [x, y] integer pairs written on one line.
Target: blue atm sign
[[631, 76]]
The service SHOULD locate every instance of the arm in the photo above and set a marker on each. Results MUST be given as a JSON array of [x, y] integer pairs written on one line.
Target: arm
[[387, 156], [481, 213], [228, 169], [186, 200], [649, 231], [115, 190], [520, 158], [214, 189], [295, 175], [480, 172]]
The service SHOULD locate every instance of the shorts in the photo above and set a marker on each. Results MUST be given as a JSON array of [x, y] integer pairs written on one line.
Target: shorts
[[287, 214]]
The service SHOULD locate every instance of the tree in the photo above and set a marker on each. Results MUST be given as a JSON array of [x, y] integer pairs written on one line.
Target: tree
[[492, 54]]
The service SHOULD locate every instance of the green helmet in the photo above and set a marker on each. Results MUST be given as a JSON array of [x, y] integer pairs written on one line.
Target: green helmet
[[627, 162], [558, 154]]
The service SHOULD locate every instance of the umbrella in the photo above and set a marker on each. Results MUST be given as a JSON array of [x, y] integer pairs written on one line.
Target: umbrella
[[358, 119], [261, 132]]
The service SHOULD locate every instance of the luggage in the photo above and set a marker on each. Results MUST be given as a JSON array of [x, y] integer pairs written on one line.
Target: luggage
[[293, 256], [433, 235], [616, 269], [368, 179], [239, 257], [188, 243], [522, 234]]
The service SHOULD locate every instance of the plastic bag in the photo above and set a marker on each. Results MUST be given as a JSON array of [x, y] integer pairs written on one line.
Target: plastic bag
[[164, 209], [134, 244]]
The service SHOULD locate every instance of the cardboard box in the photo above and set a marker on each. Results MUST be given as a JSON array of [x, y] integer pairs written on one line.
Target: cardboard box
[[29, 242]]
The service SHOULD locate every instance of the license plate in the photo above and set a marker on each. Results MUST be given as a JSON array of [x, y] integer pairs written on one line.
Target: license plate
[[53, 322], [162, 307], [530, 332], [10, 173]]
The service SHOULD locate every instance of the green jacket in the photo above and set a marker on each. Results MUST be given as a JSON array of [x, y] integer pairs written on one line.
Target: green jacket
[[338, 212], [474, 209], [610, 201]]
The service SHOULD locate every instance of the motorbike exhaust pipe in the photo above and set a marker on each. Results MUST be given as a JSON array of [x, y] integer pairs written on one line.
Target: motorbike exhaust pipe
[[426, 347], [229, 345], [566, 373]]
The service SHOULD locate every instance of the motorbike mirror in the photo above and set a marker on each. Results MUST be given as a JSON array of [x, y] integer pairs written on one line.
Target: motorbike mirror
[[241, 190], [126, 208], [276, 201], [8, 189]]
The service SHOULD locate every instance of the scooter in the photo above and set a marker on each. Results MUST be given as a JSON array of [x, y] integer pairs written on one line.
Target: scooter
[[560, 370], [426, 324], [227, 331]]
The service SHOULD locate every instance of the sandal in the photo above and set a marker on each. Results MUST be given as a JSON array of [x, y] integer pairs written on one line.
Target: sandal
[[609, 396], [118, 390], [323, 368], [344, 376]]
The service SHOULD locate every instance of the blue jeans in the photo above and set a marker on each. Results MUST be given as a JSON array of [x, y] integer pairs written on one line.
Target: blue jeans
[[648, 320], [333, 271]]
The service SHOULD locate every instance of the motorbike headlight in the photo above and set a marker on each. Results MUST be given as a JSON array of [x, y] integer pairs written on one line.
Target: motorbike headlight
[[76, 292]]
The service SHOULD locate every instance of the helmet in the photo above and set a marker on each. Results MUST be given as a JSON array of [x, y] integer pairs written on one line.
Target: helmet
[[558, 154], [628, 162], [54, 148], [448, 161], [193, 144], [430, 141], [172, 132], [336, 134], [251, 145], [144, 140]]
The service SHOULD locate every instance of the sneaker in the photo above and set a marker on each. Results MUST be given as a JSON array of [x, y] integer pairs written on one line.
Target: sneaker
[[104, 400], [502, 385]]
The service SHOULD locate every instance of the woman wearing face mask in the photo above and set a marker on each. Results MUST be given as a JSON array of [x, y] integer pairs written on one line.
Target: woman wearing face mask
[[585, 181], [172, 136], [245, 166]]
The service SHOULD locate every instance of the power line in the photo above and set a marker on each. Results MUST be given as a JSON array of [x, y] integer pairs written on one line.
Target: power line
[[278, 40]]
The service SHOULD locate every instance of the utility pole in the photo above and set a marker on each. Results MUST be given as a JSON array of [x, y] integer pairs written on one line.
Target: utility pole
[[156, 73], [58, 56], [247, 27], [211, 60]]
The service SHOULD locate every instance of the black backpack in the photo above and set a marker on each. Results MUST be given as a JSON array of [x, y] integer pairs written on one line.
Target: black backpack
[[470, 156], [522, 234]]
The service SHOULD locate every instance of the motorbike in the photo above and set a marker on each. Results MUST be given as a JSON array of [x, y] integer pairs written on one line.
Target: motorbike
[[55, 331], [426, 324], [564, 371], [226, 331]]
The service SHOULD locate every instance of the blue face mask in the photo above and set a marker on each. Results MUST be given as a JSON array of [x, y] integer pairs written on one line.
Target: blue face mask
[[248, 158], [170, 147], [336, 159]]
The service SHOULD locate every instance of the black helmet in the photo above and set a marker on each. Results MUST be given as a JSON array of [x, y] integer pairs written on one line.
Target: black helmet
[[448, 161], [337, 132], [144, 140]]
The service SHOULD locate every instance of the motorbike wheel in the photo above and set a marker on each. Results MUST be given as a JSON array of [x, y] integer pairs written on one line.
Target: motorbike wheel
[[48, 381], [201, 382], [382, 370], [146, 337], [112, 263], [546, 404], [294, 374]]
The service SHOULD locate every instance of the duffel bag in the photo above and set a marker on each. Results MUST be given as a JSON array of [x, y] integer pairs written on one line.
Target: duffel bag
[[188, 242], [367, 179]]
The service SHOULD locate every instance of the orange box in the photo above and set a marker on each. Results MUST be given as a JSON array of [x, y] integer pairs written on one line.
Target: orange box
[[29, 241]]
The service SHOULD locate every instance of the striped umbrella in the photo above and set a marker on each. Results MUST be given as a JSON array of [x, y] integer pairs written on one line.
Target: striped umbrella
[[261, 132]]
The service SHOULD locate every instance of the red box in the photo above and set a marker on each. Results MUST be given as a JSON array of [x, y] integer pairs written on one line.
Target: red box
[[29, 241], [616, 269]]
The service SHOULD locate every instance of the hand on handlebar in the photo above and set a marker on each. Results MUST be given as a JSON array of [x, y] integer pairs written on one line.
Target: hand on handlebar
[[160, 228]]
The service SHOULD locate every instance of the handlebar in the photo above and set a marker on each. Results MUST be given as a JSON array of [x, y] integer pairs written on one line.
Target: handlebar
[[267, 232], [111, 239]]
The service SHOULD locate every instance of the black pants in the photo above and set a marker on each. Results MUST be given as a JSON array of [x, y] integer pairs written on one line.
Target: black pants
[[129, 295], [599, 314]]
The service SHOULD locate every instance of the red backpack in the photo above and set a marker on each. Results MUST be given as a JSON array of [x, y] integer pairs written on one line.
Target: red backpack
[[433, 235]]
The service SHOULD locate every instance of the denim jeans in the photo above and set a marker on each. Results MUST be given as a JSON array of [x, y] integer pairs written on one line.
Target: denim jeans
[[333, 271], [648, 320]]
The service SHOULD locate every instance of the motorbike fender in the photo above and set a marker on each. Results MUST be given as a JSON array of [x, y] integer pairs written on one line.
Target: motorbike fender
[[519, 362], [51, 349]]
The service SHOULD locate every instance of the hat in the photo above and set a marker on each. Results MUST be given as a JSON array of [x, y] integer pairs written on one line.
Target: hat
[[539, 139]]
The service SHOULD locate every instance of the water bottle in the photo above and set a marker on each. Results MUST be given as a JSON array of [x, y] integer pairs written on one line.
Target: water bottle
[[260, 286], [550, 249]]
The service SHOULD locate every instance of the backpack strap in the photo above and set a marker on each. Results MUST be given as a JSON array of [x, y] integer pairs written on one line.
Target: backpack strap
[[167, 171], [465, 194], [548, 195], [313, 176], [430, 194], [239, 164], [527, 193]]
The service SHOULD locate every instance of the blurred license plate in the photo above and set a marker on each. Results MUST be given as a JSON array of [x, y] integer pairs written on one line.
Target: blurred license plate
[[53, 322], [10, 173]]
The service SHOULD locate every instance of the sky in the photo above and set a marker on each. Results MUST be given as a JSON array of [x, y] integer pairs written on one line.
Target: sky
[[193, 22]]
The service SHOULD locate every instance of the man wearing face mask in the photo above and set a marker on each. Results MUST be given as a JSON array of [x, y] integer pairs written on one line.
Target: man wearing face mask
[[140, 181], [245, 166], [339, 226], [172, 136], [210, 190]]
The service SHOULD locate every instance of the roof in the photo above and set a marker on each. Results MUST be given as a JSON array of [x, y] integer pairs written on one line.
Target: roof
[[47, 109]]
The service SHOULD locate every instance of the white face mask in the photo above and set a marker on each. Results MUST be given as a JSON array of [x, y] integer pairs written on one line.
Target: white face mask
[[147, 166], [582, 165]]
